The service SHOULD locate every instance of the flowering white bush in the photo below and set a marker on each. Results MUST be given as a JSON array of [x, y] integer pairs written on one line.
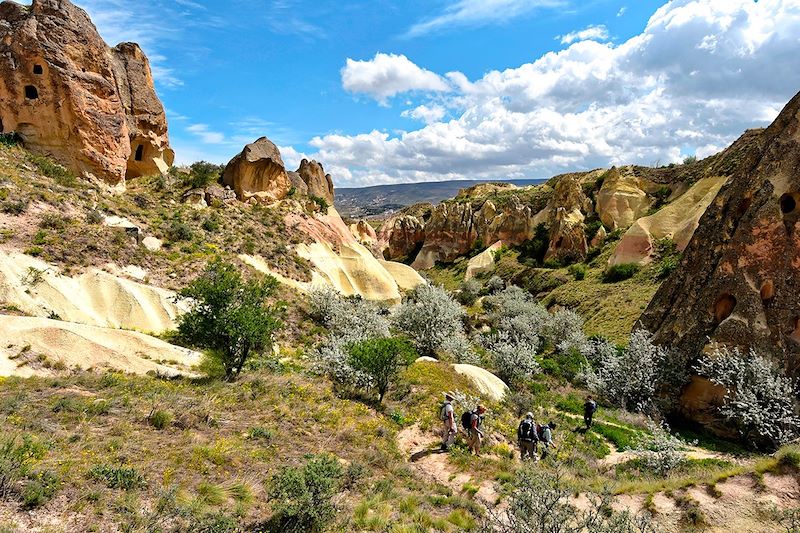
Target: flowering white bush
[[761, 401], [430, 317], [495, 284], [660, 451], [515, 312], [564, 330], [512, 361], [628, 379], [460, 350], [352, 318]]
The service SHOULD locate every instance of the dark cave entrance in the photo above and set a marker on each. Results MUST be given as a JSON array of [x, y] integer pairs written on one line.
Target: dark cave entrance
[[31, 92]]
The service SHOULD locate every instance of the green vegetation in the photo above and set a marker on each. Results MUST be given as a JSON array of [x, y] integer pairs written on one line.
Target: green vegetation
[[118, 477], [381, 360], [621, 272], [230, 317], [322, 203], [202, 173], [55, 171]]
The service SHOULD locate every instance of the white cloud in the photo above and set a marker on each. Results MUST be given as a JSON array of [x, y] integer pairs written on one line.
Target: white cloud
[[205, 134], [594, 33], [622, 11], [425, 113], [476, 13], [387, 75], [700, 73]]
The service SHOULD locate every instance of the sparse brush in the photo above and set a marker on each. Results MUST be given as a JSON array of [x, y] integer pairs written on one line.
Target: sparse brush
[[160, 419]]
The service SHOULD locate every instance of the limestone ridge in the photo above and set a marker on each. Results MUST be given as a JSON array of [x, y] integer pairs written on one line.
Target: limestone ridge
[[70, 96], [738, 281]]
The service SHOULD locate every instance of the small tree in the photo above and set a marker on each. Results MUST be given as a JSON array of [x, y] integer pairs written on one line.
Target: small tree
[[230, 316], [381, 359], [513, 361]]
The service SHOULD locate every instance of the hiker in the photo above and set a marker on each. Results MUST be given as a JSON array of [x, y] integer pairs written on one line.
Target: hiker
[[472, 422], [526, 436], [449, 428], [546, 437], [588, 411]]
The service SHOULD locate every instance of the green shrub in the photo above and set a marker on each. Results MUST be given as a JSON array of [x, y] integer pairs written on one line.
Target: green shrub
[[160, 419], [381, 360], [39, 489], [203, 173], [322, 203], [10, 139], [53, 170], [118, 477], [15, 461], [15, 208], [178, 231], [302, 497], [533, 251], [54, 221], [211, 224], [94, 217], [669, 257], [616, 273], [578, 271], [260, 433], [623, 439]]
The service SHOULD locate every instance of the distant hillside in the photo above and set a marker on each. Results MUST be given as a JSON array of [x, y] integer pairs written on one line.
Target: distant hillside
[[382, 199]]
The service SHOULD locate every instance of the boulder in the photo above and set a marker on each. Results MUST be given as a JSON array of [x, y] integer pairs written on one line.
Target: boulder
[[300, 187], [257, 173], [152, 243], [217, 195], [738, 280], [489, 385], [483, 262], [195, 198], [68, 95], [407, 278], [599, 238], [364, 233], [564, 215], [317, 182], [129, 227]]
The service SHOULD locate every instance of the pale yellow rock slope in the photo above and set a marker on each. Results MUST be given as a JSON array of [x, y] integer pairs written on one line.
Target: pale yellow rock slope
[[95, 298], [487, 383], [483, 262], [25, 342], [677, 221]]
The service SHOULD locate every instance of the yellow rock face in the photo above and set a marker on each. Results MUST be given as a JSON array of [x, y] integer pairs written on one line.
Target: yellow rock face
[[487, 383], [677, 221], [95, 298], [483, 262], [621, 200], [86, 347]]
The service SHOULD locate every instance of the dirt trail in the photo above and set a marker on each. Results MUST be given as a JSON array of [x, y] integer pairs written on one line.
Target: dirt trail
[[421, 450]]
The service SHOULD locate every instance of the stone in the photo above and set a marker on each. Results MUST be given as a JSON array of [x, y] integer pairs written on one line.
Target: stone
[[565, 216], [300, 187], [257, 173], [195, 198], [738, 280], [490, 386], [364, 233], [118, 222], [152, 243], [69, 96], [599, 238], [317, 182], [217, 195], [483, 262]]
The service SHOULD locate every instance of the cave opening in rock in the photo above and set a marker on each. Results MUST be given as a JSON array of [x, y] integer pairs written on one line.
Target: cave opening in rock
[[724, 306], [788, 203], [37, 69], [2, 128], [139, 153], [31, 92]]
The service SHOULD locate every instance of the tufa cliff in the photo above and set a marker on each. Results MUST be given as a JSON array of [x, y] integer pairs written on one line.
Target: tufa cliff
[[738, 281], [70, 96]]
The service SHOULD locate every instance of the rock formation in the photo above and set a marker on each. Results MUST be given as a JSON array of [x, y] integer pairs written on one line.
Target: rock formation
[[622, 199], [70, 96], [565, 216], [258, 172], [483, 262], [739, 279], [401, 237], [317, 182]]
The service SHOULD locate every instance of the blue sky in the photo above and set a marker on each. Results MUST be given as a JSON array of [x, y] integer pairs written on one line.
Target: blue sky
[[384, 92]]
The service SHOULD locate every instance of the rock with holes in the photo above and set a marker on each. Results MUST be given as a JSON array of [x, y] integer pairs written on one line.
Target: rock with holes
[[257, 173], [70, 96], [739, 279]]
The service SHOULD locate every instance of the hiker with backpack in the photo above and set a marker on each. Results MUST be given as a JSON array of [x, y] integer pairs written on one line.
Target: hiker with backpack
[[449, 428], [589, 408], [472, 422], [545, 434], [527, 438]]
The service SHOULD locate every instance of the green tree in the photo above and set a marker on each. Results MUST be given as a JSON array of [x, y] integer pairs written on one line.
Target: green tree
[[229, 316], [381, 360]]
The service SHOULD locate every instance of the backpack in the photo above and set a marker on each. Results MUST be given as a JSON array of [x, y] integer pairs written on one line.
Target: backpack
[[527, 430], [540, 432], [443, 412], [466, 420], [590, 407]]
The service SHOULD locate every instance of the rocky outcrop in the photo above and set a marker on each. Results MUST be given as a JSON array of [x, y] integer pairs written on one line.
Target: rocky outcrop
[[258, 172], [622, 199], [317, 182], [565, 215], [483, 262], [739, 279], [364, 233], [299, 186], [70, 96], [676, 221], [401, 237]]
